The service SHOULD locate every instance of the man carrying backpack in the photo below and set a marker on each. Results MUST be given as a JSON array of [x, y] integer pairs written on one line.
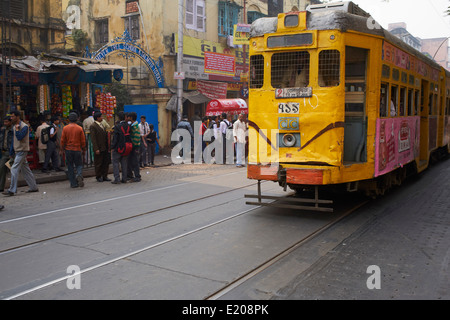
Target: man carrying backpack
[[121, 147], [52, 144], [42, 145]]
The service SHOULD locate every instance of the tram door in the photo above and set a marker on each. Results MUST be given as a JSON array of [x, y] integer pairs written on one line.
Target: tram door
[[355, 132]]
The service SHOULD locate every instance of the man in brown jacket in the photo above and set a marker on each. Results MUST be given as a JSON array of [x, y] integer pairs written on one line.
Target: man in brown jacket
[[102, 157], [20, 147]]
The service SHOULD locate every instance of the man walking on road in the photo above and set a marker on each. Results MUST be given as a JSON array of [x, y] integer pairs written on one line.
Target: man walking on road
[[73, 142], [99, 138], [20, 147]]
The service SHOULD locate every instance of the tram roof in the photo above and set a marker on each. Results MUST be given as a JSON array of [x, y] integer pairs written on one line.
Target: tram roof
[[338, 18]]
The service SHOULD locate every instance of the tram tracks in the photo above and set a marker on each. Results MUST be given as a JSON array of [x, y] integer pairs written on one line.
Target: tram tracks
[[97, 226], [58, 277], [267, 264]]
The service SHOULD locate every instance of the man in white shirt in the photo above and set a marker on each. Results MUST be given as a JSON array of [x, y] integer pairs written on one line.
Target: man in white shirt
[[144, 129], [226, 125], [42, 147], [240, 134]]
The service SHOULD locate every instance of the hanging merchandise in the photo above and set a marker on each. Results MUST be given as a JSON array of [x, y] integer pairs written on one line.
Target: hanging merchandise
[[66, 100], [56, 104], [99, 101], [110, 105], [106, 103], [42, 98], [88, 95]]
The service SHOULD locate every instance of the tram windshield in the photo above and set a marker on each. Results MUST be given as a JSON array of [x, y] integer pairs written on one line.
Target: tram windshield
[[290, 69]]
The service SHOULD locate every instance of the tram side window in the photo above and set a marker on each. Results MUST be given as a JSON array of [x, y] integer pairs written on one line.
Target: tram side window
[[447, 109], [430, 103], [410, 102], [417, 102], [435, 102], [256, 71], [394, 102], [402, 102], [329, 68], [383, 100], [290, 69]]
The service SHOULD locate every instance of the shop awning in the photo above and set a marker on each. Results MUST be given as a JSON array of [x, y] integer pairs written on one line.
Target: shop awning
[[230, 106], [194, 97], [60, 68]]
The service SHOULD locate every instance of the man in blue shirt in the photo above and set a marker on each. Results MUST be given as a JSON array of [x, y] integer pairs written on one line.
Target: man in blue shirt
[[20, 148]]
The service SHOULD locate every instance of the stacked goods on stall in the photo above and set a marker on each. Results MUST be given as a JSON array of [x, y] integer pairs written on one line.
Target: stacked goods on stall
[[66, 100]]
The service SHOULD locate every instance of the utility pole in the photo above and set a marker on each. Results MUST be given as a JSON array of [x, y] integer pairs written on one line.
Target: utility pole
[[180, 61]]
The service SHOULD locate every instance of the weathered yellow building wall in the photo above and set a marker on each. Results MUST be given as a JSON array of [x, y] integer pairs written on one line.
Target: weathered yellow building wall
[[40, 30], [158, 25]]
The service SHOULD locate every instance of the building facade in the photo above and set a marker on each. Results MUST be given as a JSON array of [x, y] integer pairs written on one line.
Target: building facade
[[27, 27], [32, 26], [142, 36]]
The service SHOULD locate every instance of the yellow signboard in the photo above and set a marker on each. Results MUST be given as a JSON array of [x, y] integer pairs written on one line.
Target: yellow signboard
[[197, 47], [241, 34]]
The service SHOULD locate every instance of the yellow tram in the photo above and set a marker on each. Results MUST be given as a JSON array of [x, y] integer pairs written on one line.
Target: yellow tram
[[336, 100]]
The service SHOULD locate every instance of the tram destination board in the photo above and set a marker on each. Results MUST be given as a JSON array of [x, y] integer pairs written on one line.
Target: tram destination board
[[293, 93]]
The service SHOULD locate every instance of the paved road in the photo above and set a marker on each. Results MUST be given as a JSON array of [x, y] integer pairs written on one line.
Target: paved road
[[406, 234], [185, 232]]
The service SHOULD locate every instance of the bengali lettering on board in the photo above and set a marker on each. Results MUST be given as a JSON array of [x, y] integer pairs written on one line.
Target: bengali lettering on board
[[406, 61]]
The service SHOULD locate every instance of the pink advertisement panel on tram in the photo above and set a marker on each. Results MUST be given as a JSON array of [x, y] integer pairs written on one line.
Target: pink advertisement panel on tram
[[397, 143]]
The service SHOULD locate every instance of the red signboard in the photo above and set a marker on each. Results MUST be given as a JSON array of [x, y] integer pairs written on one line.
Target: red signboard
[[213, 90], [219, 63]]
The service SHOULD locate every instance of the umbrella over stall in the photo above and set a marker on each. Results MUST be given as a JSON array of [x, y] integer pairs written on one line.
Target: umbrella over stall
[[231, 106]]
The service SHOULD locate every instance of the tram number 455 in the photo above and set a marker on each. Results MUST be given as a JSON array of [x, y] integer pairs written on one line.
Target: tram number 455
[[288, 107]]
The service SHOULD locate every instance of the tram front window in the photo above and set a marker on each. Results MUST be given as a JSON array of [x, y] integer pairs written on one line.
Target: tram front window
[[290, 69]]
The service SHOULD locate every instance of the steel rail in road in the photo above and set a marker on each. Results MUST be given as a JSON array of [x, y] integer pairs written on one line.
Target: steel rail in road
[[32, 243], [252, 273], [128, 255]]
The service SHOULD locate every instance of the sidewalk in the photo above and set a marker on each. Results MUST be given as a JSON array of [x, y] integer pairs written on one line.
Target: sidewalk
[[41, 178]]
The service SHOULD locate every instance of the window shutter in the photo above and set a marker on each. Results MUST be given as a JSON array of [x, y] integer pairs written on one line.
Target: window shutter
[[200, 15], [190, 14]]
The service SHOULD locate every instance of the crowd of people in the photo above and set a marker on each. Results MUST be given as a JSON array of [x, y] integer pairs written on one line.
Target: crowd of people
[[223, 130], [133, 146], [58, 141]]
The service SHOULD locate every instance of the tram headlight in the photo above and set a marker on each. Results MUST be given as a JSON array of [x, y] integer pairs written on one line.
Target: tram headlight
[[289, 140]]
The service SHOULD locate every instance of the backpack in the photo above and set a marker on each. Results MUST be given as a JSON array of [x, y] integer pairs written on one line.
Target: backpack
[[228, 124], [125, 145], [45, 135]]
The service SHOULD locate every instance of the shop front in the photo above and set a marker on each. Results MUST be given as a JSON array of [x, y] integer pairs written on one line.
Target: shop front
[[55, 85], [212, 71]]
